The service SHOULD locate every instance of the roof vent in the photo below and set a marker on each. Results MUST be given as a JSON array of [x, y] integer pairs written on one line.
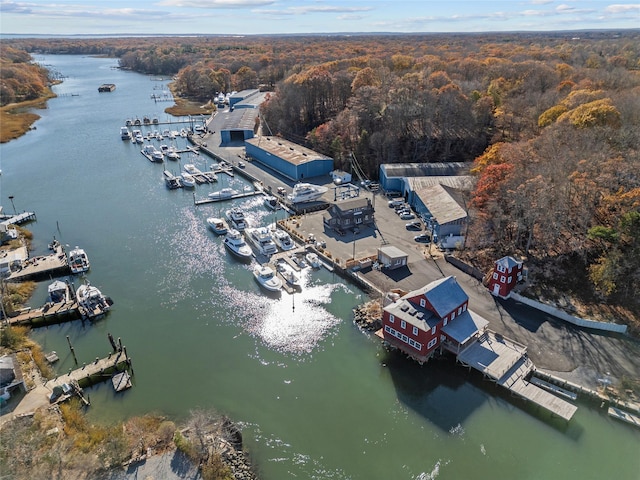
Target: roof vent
[[404, 307]]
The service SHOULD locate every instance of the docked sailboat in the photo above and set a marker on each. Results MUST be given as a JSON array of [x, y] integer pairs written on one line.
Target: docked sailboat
[[78, 260], [91, 302], [306, 192], [234, 242]]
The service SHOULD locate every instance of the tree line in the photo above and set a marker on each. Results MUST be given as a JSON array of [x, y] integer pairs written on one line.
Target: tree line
[[551, 120]]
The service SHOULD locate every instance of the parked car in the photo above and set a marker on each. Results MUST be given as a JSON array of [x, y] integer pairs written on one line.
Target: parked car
[[281, 191], [416, 225], [422, 238], [396, 202], [407, 215]]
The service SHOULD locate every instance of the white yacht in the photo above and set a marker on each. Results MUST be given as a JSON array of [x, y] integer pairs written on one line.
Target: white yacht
[[261, 238], [237, 218], [306, 192], [188, 180], [91, 302], [224, 194], [125, 133], [152, 153], [234, 242], [283, 240], [217, 225], [172, 153], [78, 260], [267, 278]]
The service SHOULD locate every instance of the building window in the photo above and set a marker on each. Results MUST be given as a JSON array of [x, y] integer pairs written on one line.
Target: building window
[[432, 343], [403, 324], [433, 330], [404, 338], [391, 318], [415, 330], [453, 315], [495, 276], [422, 302], [464, 307], [510, 278], [459, 310], [502, 279], [446, 320]]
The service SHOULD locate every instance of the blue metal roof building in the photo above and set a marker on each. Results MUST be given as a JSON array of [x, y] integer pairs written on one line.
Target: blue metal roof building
[[289, 159], [241, 96]]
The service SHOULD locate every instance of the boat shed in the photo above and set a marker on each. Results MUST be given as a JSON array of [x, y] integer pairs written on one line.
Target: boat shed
[[392, 257], [238, 125], [287, 158], [443, 207], [241, 96], [394, 176]]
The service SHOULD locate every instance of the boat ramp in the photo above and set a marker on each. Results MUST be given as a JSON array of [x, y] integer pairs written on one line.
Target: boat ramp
[[506, 363]]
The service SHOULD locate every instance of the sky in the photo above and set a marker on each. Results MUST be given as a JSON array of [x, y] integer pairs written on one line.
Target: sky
[[246, 17]]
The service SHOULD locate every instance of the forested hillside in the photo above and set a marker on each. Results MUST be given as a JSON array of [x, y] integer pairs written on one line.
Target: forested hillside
[[552, 121]]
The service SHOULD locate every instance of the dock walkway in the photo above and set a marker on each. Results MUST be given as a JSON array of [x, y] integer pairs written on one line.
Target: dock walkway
[[19, 219], [46, 314], [97, 370], [42, 266], [506, 363]]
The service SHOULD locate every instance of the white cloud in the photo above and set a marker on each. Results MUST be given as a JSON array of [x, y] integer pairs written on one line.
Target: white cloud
[[619, 8], [216, 3]]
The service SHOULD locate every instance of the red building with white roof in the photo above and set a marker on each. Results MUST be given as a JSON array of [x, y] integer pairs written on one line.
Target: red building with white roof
[[507, 272], [432, 316]]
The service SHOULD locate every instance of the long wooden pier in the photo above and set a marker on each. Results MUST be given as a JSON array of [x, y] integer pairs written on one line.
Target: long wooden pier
[[99, 370], [506, 362], [19, 218], [49, 314]]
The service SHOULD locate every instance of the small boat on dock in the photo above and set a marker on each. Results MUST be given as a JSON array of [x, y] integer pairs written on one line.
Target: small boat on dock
[[172, 153], [59, 292], [78, 261], [237, 218], [91, 302], [288, 273], [217, 225], [313, 259], [171, 180], [271, 202], [306, 192], [234, 242], [267, 279], [152, 154]]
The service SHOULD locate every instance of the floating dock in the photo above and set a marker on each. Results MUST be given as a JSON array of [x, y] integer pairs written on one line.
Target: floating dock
[[624, 416], [121, 381], [97, 371], [550, 387], [506, 362]]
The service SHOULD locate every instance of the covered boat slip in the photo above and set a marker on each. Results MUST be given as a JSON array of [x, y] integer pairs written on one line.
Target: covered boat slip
[[505, 362]]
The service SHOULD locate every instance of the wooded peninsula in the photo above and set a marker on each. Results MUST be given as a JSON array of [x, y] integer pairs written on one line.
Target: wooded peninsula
[[551, 122]]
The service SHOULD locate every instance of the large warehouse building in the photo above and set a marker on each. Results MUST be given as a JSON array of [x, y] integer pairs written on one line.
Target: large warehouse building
[[290, 159]]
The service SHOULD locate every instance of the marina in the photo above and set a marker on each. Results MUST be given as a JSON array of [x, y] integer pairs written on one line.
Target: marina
[[181, 292]]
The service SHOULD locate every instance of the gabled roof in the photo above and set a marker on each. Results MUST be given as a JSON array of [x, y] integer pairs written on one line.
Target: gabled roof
[[291, 152], [459, 182], [442, 203], [444, 295], [425, 169], [464, 326], [508, 262], [413, 314]]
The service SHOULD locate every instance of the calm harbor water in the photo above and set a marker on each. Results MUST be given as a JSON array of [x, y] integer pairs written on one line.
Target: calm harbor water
[[316, 397]]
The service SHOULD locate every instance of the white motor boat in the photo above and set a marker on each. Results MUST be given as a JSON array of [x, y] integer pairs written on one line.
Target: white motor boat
[[172, 181], [306, 192], [91, 302], [271, 202], [125, 133], [235, 243], [313, 259], [217, 225], [192, 169], [172, 153], [237, 218], [267, 278], [78, 260], [59, 292], [188, 180], [223, 194], [283, 240], [261, 238], [288, 273], [152, 153]]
